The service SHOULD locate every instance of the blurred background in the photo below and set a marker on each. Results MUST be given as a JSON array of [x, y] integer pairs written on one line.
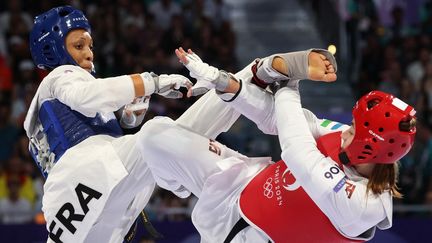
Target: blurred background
[[379, 44]]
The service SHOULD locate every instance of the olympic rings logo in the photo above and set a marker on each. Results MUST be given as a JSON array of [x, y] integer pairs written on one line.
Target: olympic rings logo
[[268, 188]]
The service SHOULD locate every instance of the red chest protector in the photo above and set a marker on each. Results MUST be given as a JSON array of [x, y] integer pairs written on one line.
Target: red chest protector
[[274, 202]]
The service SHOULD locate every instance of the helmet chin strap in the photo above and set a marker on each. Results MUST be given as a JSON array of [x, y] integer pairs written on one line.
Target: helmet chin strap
[[343, 157]]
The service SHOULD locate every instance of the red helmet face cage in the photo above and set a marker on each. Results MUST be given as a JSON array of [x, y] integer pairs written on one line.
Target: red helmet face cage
[[378, 138]]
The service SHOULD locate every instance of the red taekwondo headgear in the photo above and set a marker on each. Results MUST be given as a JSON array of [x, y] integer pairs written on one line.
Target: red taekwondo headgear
[[378, 137]]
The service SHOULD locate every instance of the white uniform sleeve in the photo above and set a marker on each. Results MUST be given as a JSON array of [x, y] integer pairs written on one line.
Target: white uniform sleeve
[[79, 90], [319, 127], [258, 105], [344, 201]]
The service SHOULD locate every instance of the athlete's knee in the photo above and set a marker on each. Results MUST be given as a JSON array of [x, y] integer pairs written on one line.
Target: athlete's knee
[[153, 133]]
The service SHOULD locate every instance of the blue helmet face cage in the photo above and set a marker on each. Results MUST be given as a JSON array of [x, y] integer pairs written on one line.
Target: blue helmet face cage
[[47, 38]]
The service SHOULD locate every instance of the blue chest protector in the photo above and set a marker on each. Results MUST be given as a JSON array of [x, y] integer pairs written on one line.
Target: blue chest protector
[[65, 128]]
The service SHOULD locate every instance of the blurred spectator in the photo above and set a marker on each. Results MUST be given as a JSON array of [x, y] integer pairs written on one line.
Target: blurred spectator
[[21, 150], [136, 16], [386, 10], [416, 170], [25, 81], [8, 131], [396, 29], [5, 76], [163, 11], [409, 48], [15, 168], [427, 89], [391, 79], [193, 12], [26, 74], [416, 69], [147, 239], [18, 50], [408, 92], [217, 11], [14, 15], [15, 209], [166, 206], [3, 46], [177, 209], [175, 35]]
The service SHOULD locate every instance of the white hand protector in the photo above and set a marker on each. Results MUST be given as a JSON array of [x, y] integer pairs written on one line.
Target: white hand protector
[[165, 85], [139, 104], [208, 77], [133, 113]]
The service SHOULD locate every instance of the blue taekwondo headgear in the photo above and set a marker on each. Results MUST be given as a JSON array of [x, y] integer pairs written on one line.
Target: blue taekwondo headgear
[[47, 38]]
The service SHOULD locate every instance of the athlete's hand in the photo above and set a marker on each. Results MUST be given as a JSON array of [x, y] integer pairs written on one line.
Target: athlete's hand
[[320, 68], [138, 107], [168, 85], [208, 77]]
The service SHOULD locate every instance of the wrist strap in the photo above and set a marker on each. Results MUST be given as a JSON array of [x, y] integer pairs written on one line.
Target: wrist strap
[[222, 81], [150, 82], [138, 84]]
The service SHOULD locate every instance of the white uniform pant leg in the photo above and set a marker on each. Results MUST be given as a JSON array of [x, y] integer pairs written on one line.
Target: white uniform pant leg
[[128, 198], [180, 160], [78, 188], [217, 210], [183, 161], [112, 227]]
